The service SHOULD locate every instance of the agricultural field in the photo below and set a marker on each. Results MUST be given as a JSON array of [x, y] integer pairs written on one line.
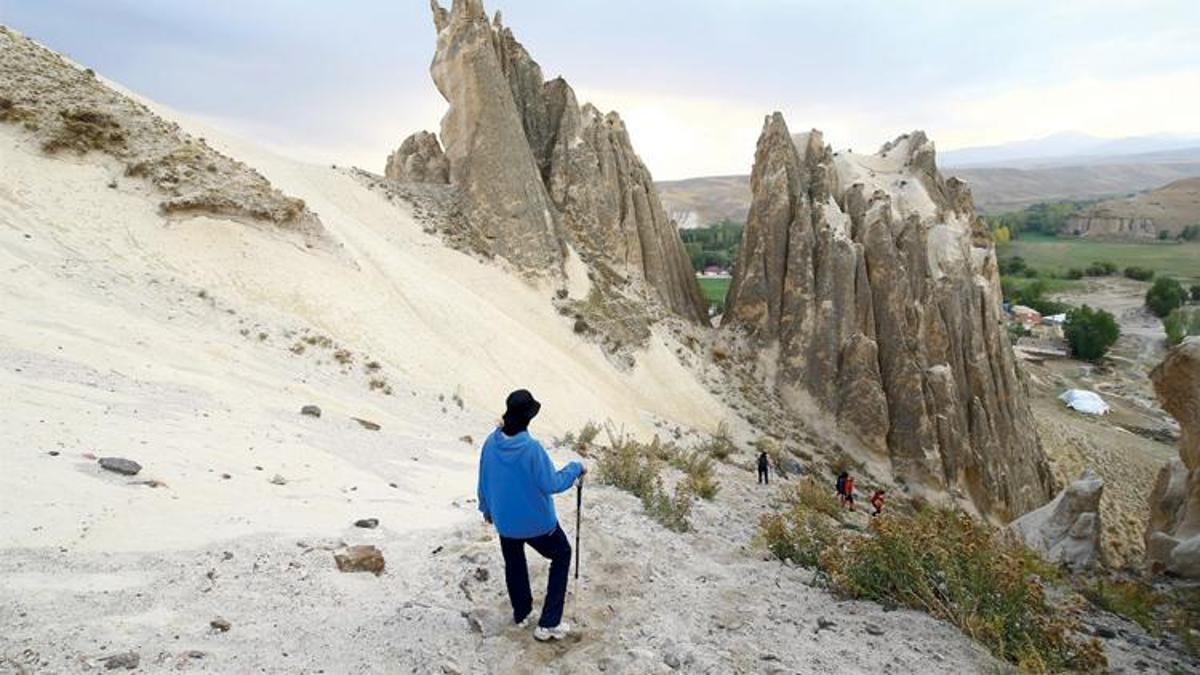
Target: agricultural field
[[714, 290], [1057, 255]]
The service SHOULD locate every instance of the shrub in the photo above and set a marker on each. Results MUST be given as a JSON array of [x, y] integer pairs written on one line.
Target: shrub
[[700, 473], [1190, 233], [720, 445], [1195, 292], [1164, 296], [634, 467], [1074, 273], [1139, 273], [1131, 599], [799, 536], [813, 496], [1180, 323], [1031, 295], [1163, 235], [1090, 332], [1101, 268], [952, 567]]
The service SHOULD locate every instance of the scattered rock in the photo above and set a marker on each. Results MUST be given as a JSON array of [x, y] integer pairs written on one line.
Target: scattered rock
[[360, 559], [126, 467], [311, 411], [672, 660], [1105, 632], [278, 480], [54, 453], [824, 624], [125, 661], [367, 523], [872, 629], [1067, 530], [220, 625], [481, 574], [468, 440], [393, 486], [367, 424]]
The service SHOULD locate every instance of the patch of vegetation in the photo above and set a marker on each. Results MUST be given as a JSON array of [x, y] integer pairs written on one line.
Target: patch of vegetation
[[1032, 294], [1100, 268], [714, 290], [1190, 233], [950, 566], [343, 356], [319, 341], [580, 442], [1181, 323], [720, 444], [1139, 273], [1132, 600], [82, 130], [1195, 292], [635, 467], [372, 366], [1054, 256], [1090, 332], [700, 475], [380, 384], [1165, 296], [1045, 218], [715, 245]]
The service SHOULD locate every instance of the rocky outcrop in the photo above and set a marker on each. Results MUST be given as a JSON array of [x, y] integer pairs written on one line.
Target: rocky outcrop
[[1100, 225], [419, 159], [878, 284], [1173, 533], [541, 173], [1067, 530]]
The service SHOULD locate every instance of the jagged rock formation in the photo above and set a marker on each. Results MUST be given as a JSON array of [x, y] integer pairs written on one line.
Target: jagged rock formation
[[539, 172], [67, 109], [1098, 224], [878, 283], [1173, 533], [419, 159], [1067, 530]]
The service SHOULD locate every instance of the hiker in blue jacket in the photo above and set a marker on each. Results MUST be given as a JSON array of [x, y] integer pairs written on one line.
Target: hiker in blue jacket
[[517, 482]]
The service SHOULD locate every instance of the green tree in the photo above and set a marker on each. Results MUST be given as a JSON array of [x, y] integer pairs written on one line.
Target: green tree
[[1165, 295], [1195, 292], [1090, 332]]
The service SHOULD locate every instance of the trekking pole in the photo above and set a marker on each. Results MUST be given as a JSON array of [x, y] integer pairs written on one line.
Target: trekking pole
[[578, 521]]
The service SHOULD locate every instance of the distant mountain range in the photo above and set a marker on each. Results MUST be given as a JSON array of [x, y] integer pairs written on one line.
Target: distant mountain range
[[1004, 177]]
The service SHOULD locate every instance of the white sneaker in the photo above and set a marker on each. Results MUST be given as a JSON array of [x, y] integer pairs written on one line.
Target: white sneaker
[[524, 623], [559, 632]]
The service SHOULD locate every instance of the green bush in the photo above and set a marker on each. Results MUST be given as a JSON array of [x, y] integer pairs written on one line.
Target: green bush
[[699, 473], [1190, 233], [1101, 268], [1074, 273], [1090, 332], [1133, 600], [1163, 235], [1031, 295], [635, 467], [1181, 323], [1164, 296], [720, 445], [1195, 292], [1139, 273], [954, 568]]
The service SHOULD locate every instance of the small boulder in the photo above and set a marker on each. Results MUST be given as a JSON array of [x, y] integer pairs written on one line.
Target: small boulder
[[367, 424], [220, 624], [367, 523], [1067, 530], [311, 411], [126, 467], [360, 559], [278, 480], [125, 661]]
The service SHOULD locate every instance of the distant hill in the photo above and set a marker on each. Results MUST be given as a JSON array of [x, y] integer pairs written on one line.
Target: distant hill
[[1069, 166], [1169, 209]]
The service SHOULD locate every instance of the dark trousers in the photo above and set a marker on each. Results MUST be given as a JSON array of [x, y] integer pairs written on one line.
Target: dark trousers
[[555, 548], [762, 475]]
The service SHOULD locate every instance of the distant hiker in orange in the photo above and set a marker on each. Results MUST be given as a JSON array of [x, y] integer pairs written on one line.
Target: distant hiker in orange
[[877, 502], [848, 489], [764, 468]]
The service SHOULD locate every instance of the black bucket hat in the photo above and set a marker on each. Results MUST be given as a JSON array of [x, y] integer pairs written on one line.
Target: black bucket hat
[[520, 407]]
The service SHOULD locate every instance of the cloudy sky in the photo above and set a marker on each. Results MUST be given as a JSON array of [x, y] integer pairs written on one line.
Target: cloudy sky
[[345, 80]]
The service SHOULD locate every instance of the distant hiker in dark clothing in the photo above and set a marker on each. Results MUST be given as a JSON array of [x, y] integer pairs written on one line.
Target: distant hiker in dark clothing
[[848, 488], [877, 502], [764, 468], [841, 486], [517, 482]]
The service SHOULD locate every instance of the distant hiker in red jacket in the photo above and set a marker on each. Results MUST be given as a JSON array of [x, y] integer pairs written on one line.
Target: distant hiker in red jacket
[[848, 490], [877, 502]]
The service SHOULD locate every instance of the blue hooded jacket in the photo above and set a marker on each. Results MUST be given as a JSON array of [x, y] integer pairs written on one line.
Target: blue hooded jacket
[[516, 483]]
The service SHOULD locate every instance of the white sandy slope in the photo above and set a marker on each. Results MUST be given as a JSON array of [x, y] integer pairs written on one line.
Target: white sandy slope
[[122, 334]]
